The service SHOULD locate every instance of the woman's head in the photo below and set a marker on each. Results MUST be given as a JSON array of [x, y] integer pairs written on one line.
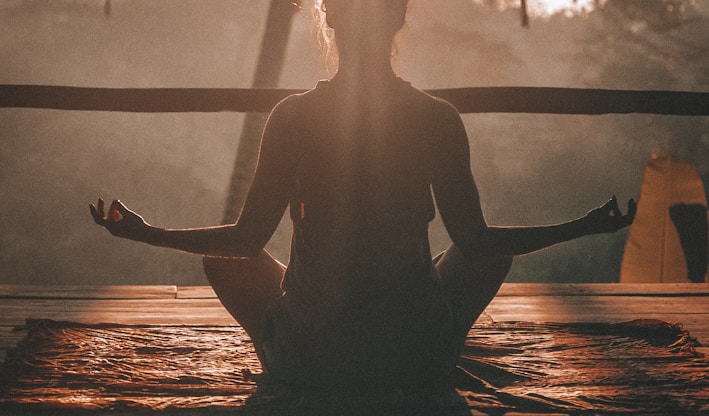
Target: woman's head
[[385, 15], [361, 26]]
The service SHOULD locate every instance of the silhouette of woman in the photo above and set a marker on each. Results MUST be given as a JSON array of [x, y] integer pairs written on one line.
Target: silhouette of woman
[[359, 161]]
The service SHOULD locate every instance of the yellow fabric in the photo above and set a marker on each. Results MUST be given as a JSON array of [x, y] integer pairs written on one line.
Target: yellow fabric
[[653, 253]]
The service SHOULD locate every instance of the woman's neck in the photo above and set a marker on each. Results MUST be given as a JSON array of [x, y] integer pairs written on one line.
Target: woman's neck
[[365, 70]]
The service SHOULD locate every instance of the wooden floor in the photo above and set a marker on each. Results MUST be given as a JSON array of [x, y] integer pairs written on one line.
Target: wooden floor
[[197, 305], [172, 305]]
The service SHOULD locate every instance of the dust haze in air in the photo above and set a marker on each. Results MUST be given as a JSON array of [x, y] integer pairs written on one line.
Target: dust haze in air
[[175, 168]]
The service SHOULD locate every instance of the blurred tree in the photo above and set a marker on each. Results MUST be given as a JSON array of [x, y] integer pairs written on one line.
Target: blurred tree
[[658, 15], [645, 45], [662, 41]]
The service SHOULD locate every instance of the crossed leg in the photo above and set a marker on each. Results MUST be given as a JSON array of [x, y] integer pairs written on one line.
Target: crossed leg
[[246, 287], [469, 286]]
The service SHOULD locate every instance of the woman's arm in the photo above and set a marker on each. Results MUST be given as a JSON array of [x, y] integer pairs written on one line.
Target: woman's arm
[[458, 202], [521, 240], [263, 209], [232, 240]]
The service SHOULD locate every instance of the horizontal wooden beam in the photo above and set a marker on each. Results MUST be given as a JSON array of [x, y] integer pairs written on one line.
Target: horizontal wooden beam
[[466, 100], [546, 100], [141, 100]]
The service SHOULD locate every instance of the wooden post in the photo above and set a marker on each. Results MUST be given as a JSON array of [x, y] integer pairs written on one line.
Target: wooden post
[[268, 71], [525, 13]]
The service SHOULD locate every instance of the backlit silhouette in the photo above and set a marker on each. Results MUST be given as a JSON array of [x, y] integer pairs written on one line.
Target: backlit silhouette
[[361, 161]]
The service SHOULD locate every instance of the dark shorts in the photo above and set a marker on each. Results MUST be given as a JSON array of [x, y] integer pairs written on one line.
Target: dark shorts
[[411, 337], [385, 345]]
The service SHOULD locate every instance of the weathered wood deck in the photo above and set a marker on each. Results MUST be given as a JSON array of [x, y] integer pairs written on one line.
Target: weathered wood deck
[[173, 305], [687, 304]]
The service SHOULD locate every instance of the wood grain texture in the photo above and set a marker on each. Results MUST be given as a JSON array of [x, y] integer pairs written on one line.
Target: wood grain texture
[[198, 305]]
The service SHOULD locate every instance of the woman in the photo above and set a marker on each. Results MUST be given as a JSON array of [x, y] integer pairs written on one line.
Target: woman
[[359, 161]]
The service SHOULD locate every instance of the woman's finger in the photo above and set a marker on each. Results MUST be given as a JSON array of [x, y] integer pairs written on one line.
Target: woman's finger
[[614, 207], [98, 218], [632, 209], [121, 207], [97, 212]]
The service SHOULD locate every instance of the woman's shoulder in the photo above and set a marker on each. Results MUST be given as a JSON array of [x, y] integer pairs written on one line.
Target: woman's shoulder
[[296, 103], [419, 97], [325, 93], [442, 106]]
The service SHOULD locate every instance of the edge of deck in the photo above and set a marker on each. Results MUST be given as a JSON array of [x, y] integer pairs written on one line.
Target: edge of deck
[[206, 292]]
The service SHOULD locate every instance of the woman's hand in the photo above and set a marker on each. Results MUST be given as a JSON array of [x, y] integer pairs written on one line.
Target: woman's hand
[[120, 221], [607, 218]]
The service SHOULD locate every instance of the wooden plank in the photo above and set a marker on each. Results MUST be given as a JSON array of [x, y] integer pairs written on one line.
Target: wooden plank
[[544, 289], [201, 317], [88, 292], [504, 315], [146, 311], [696, 322], [195, 292], [206, 292], [210, 311], [691, 312], [562, 305], [628, 304], [602, 304], [605, 289], [133, 305], [197, 305]]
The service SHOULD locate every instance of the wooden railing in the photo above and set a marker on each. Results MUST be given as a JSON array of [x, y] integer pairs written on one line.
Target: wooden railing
[[466, 100]]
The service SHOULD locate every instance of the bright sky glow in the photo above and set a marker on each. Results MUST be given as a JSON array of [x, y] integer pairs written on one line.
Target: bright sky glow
[[548, 7]]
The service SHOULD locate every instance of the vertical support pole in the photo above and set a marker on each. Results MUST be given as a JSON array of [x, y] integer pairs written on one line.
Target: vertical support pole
[[268, 71], [525, 13]]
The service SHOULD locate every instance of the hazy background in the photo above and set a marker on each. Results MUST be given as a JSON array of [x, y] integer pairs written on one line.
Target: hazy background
[[175, 168]]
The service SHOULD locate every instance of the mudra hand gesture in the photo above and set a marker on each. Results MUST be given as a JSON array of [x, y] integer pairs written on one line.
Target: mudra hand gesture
[[119, 220], [607, 218]]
